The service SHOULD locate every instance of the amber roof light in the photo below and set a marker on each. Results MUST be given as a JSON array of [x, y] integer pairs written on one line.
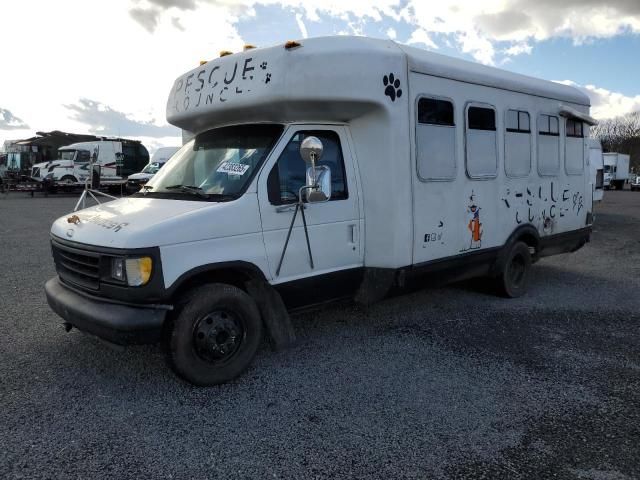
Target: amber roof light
[[224, 53], [292, 44]]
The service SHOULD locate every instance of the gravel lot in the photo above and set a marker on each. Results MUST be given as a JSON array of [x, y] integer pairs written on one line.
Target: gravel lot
[[449, 383]]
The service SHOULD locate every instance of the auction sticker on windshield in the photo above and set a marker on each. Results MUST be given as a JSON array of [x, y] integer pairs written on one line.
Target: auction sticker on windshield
[[233, 168]]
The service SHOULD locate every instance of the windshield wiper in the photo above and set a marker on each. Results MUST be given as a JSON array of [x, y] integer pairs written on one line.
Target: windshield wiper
[[188, 189]]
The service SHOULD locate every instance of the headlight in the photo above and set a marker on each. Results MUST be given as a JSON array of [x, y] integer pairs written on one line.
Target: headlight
[[138, 270], [117, 269], [134, 271]]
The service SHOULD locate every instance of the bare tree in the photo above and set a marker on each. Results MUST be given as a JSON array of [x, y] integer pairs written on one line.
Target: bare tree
[[622, 135]]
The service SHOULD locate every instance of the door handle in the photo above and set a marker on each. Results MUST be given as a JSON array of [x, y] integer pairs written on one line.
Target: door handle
[[352, 233]]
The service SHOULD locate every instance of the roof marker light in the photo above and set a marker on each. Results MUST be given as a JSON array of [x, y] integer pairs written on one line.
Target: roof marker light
[[249, 47], [292, 44], [224, 53], [202, 62]]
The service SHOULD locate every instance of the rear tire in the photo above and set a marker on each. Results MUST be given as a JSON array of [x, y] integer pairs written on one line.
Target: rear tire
[[513, 280], [215, 336]]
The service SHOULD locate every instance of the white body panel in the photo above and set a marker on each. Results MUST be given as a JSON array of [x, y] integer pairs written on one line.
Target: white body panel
[[596, 168], [343, 84]]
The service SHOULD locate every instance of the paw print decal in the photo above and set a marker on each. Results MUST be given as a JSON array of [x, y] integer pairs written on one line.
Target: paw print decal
[[267, 79], [392, 87], [263, 65]]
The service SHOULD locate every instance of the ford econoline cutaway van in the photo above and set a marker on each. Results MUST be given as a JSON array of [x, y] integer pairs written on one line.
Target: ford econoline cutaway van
[[322, 169]]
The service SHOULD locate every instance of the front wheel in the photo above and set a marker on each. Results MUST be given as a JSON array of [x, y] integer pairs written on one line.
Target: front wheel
[[513, 280], [215, 336]]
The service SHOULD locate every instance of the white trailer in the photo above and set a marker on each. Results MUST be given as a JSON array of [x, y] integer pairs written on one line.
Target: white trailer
[[616, 169], [326, 168], [117, 159], [596, 167]]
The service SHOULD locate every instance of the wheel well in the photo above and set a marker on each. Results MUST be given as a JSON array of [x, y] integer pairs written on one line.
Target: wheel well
[[531, 240], [236, 275]]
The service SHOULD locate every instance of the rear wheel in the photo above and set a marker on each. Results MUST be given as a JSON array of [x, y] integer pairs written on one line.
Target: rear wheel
[[513, 280], [215, 336]]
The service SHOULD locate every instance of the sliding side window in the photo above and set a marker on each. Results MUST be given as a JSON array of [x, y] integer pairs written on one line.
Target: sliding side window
[[574, 147], [482, 150], [435, 140], [548, 145], [517, 144]]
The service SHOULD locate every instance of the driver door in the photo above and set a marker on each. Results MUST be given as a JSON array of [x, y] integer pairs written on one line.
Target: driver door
[[333, 226]]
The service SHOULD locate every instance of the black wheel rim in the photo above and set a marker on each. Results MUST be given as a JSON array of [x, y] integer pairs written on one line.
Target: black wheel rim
[[517, 270], [217, 336]]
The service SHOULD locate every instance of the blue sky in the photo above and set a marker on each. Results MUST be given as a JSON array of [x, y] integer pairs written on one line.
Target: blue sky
[[120, 57]]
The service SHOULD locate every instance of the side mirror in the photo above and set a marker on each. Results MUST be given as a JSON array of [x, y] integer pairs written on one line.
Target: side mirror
[[95, 177], [322, 190], [318, 177]]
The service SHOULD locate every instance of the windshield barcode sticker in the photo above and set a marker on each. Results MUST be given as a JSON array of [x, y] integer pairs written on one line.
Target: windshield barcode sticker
[[233, 168]]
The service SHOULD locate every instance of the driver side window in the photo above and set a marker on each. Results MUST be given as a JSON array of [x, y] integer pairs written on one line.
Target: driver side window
[[288, 175]]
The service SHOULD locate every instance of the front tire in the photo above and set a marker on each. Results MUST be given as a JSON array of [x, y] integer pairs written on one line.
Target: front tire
[[215, 336], [513, 280]]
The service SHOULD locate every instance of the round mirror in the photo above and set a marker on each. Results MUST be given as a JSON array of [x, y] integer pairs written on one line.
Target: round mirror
[[311, 150]]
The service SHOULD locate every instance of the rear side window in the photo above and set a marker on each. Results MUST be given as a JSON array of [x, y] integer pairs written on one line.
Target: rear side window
[[574, 128], [481, 142], [481, 118], [435, 139], [548, 145], [574, 147], [517, 143]]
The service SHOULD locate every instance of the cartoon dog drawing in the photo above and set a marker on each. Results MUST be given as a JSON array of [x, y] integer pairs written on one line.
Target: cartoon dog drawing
[[474, 225]]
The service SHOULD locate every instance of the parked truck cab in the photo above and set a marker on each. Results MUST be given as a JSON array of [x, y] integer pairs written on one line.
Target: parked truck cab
[[321, 169]]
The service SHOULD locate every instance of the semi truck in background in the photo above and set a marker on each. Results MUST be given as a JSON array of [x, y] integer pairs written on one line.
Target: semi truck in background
[[616, 170], [117, 158], [596, 168]]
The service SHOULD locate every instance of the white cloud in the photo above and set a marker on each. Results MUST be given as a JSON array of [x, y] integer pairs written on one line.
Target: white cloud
[[420, 36], [518, 49], [8, 121], [392, 34], [605, 103]]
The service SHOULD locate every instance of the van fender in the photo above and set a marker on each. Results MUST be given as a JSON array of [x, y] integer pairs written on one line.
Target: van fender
[[524, 233], [250, 278]]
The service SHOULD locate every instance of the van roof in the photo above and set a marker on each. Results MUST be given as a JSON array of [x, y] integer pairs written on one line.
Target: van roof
[[326, 78]]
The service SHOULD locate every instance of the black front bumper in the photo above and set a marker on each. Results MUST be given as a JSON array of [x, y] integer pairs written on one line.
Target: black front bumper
[[114, 322]]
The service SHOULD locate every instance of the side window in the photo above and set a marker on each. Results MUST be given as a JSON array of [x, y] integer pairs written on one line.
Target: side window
[[435, 140], [517, 144], [574, 147], [289, 173], [548, 145], [83, 156], [482, 150]]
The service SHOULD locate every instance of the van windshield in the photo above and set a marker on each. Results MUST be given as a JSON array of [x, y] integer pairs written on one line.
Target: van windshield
[[215, 165]]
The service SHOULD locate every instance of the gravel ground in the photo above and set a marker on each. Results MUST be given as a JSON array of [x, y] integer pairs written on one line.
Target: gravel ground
[[450, 383]]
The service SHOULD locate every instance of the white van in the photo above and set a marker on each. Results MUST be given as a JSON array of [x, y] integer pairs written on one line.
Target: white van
[[117, 159], [158, 159], [410, 164]]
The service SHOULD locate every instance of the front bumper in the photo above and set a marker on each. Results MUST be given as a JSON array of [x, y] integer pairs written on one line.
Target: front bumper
[[114, 322]]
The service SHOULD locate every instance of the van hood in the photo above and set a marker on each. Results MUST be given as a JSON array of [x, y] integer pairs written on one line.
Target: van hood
[[141, 222]]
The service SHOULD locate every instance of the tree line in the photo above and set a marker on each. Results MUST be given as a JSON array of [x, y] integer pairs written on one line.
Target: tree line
[[622, 135]]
